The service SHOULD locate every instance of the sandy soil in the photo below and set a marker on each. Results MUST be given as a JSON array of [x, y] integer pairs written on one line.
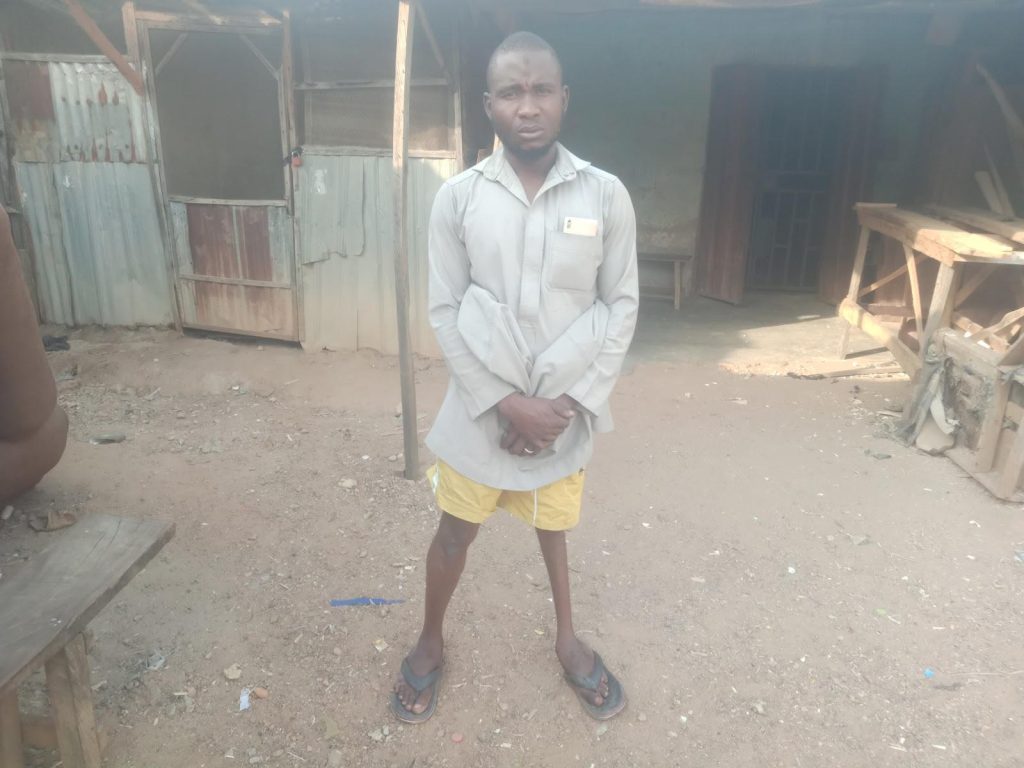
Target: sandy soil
[[767, 572]]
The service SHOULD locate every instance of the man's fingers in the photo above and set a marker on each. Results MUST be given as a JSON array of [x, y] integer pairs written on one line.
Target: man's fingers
[[517, 446], [508, 438]]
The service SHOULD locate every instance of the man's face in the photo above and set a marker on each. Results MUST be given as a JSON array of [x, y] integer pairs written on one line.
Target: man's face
[[525, 101]]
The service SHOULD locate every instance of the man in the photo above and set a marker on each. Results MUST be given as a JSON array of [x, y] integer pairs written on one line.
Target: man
[[533, 297]]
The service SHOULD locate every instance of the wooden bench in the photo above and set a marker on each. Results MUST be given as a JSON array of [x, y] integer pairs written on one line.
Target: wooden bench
[[44, 609], [677, 260]]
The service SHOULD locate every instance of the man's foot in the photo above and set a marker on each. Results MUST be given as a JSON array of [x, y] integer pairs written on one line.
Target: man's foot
[[577, 660], [424, 659], [598, 689]]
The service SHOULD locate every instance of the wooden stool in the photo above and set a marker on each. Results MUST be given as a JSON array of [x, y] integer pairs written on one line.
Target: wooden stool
[[44, 609]]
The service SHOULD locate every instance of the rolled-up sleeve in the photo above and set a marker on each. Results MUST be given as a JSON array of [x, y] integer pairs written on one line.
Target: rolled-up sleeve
[[480, 389], [618, 288]]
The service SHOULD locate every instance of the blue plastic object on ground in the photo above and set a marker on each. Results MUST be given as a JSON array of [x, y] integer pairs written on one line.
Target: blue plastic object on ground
[[364, 601]]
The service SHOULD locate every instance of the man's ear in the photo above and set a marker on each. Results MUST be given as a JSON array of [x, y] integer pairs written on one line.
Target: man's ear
[[487, 105], [565, 99]]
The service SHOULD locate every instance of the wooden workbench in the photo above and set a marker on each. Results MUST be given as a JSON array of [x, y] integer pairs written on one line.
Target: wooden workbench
[[926, 237]]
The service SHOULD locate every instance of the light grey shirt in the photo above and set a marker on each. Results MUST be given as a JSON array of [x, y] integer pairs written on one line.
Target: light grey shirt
[[559, 276]]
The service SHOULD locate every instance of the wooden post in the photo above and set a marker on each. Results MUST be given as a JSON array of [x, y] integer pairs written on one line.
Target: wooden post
[[399, 155], [11, 755], [101, 41], [940, 308], [915, 292], [855, 281], [131, 34], [67, 681]]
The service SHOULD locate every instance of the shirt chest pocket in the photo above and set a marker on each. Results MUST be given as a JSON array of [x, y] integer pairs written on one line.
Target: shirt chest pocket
[[571, 261]]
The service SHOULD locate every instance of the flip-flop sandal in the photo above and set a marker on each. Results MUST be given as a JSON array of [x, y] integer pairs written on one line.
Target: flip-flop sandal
[[613, 703], [418, 684]]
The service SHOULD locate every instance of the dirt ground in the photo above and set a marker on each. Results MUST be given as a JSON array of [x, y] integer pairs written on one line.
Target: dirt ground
[[775, 581]]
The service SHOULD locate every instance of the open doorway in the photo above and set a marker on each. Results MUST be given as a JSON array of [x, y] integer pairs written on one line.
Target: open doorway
[[788, 154]]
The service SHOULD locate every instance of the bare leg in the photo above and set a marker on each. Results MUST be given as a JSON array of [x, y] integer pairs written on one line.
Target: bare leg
[[445, 560], [575, 656]]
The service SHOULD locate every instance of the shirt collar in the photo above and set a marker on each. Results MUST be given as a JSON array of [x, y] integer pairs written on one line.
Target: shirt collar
[[567, 165]]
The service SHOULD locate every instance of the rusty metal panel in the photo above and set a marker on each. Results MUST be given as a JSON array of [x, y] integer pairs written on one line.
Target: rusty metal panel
[[99, 116], [254, 243], [349, 294], [235, 265], [34, 124], [247, 309], [212, 240], [41, 206]]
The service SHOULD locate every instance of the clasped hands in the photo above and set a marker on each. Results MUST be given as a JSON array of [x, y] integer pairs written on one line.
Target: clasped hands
[[534, 423]]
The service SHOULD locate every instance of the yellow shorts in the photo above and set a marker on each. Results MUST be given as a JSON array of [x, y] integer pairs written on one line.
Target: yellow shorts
[[555, 507]]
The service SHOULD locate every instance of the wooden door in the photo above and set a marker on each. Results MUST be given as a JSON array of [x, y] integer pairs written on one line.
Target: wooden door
[[220, 98], [729, 182]]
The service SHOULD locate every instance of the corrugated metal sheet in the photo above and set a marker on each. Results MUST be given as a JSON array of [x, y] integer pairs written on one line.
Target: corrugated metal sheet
[[349, 297], [96, 242], [42, 211], [99, 115]]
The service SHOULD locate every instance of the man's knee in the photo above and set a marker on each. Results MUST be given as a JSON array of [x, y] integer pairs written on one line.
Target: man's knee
[[455, 535]]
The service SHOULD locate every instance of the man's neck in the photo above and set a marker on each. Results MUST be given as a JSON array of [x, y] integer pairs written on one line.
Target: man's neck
[[532, 171]]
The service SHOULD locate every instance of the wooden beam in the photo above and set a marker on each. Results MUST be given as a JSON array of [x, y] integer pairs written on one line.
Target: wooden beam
[[106, 47], [855, 280], [1005, 322], [345, 85], [67, 683], [131, 34], [1010, 228], [984, 271], [11, 752], [884, 281], [915, 291], [259, 55], [399, 157], [40, 732], [857, 317]]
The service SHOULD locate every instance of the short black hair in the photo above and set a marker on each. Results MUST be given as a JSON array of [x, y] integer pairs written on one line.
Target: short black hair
[[522, 41]]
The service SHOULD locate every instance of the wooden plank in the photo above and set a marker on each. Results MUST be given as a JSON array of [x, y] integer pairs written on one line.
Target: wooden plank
[[131, 34], [981, 274], [342, 85], [1010, 228], [855, 280], [107, 48], [992, 425], [51, 598], [157, 180], [39, 732], [251, 22], [896, 273], [67, 683], [727, 200], [259, 55], [1010, 474], [11, 751], [1014, 354], [855, 315], [936, 238], [460, 139], [1007, 320], [940, 310], [915, 291], [399, 155]]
